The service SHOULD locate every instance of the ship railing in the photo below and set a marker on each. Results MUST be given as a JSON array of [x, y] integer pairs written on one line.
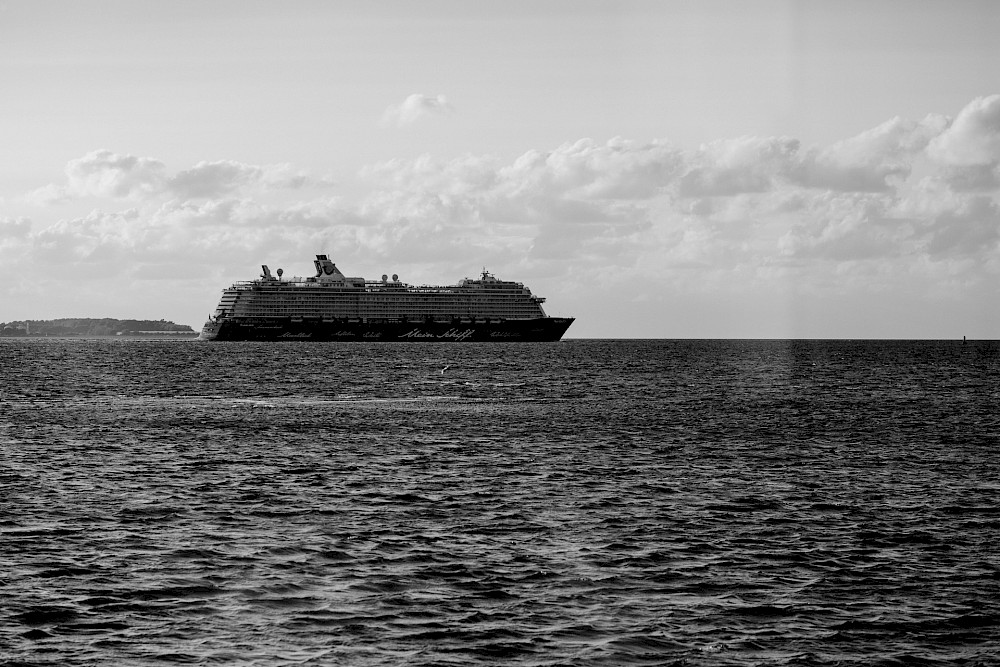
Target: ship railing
[[374, 285], [294, 282]]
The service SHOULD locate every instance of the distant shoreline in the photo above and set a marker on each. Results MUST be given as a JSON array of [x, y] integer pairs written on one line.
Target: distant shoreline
[[94, 327], [159, 335]]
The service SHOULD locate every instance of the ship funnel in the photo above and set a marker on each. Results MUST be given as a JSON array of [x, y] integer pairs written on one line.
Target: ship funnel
[[280, 272], [395, 278], [327, 270]]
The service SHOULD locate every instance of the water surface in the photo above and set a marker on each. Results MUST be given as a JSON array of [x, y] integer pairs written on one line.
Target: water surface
[[582, 502]]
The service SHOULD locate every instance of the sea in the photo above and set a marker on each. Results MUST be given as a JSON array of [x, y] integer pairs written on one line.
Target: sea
[[587, 502]]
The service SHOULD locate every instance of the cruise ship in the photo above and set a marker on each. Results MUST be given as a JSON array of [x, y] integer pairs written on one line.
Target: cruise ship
[[333, 307]]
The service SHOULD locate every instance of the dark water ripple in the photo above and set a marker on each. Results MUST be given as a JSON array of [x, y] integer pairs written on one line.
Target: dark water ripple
[[585, 503]]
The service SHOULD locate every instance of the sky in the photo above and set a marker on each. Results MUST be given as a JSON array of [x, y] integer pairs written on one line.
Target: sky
[[656, 169]]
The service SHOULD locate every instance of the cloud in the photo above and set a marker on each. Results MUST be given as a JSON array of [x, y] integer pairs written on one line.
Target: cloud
[[583, 170], [731, 167], [905, 203], [415, 107], [869, 161], [846, 226], [762, 201], [193, 233], [107, 175], [225, 177], [972, 178], [583, 199], [48, 195], [14, 228], [971, 229], [973, 139], [588, 170], [15, 237], [967, 152]]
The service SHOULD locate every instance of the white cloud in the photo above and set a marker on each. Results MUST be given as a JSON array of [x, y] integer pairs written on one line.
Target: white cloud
[[760, 201], [224, 177], [102, 173], [871, 160], [731, 167], [970, 230], [415, 107], [972, 178], [587, 170], [905, 205], [48, 195], [973, 138], [14, 228], [106, 175], [844, 227]]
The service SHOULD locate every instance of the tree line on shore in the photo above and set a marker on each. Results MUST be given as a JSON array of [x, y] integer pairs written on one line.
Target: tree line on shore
[[88, 327]]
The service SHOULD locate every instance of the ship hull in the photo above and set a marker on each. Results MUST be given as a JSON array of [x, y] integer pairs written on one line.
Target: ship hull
[[543, 329]]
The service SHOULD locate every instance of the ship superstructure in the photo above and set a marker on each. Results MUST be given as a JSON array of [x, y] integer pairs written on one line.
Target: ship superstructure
[[333, 306]]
